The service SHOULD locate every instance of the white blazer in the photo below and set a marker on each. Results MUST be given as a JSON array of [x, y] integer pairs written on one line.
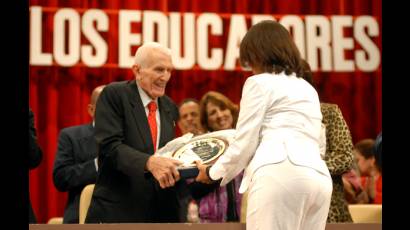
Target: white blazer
[[279, 118]]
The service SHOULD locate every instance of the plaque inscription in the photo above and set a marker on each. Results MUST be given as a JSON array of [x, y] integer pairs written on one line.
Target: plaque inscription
[[206, 149]]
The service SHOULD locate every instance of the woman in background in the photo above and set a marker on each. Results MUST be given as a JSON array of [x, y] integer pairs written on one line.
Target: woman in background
[[218, 204], [338, 155], [371, 176]]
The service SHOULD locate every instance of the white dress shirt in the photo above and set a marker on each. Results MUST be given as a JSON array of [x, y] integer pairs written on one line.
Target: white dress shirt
[[145, 101], [279, 118]]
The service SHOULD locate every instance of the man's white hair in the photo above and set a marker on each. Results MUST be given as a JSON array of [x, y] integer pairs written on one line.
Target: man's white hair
[[143, 51]]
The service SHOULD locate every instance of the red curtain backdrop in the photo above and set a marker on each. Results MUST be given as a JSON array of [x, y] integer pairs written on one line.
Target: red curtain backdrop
[[59, 95]]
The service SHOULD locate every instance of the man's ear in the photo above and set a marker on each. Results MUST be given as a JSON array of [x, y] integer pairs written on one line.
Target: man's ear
[[91, 110], [136, 69]]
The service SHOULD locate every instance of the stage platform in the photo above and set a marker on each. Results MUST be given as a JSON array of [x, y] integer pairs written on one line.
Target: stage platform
[[180, 226]]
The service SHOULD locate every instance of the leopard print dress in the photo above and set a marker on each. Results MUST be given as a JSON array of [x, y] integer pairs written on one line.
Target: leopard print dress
[[338, 158]]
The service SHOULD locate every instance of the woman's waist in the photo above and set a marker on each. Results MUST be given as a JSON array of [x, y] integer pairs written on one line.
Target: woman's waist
[[284, 135]]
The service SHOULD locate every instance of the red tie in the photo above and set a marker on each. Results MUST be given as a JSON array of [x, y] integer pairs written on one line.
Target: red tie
[[152, 121]]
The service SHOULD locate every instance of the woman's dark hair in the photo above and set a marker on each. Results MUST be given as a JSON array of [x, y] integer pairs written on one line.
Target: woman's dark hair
[[222, 102], [365, 148], [307, 72], [268, 47]]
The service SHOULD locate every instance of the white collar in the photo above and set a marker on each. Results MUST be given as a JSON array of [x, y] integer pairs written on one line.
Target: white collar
[[144, 96]]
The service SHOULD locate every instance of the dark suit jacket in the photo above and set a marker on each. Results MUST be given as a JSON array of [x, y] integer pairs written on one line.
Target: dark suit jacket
[[124, 191], [74, 166], [34, 155]]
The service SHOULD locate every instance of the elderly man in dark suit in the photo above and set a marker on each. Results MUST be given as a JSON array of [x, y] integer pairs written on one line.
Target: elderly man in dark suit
[[75, 165], [133, 120]]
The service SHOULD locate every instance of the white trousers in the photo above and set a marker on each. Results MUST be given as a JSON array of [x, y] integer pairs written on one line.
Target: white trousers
[[284, 196]]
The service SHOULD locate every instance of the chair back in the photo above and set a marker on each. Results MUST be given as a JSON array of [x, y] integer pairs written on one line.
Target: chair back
[[85, 200], [55, 220], [366, 213], [244, 206]]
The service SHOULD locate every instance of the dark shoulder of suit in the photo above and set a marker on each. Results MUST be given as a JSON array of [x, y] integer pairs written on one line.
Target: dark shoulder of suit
[[79, 131], [173, 107]]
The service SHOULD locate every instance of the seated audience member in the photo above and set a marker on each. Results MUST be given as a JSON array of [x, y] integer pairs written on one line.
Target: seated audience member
[[218, 204], [189, 122], [369, 170], [338, 155], [34, 159], [75, 165], [189, 117]]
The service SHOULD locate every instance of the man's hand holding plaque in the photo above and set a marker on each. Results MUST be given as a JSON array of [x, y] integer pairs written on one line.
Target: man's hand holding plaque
[[164, 170]]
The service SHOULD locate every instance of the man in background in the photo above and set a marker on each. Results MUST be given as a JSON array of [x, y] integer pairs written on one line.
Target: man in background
[[189, 117], [75, 165], [190, 122]]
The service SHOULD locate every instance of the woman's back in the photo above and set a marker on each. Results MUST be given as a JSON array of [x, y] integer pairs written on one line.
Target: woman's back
[[288, 113], [292, 105]]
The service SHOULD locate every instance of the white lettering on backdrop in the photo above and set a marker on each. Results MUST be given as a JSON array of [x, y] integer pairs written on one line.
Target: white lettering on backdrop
[[209, 41]]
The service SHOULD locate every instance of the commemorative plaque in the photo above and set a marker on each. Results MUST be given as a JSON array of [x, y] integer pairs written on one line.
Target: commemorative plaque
[[207, 150]]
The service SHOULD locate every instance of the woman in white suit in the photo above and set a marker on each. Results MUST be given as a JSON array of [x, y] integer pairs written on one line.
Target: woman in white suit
[[277, 138]]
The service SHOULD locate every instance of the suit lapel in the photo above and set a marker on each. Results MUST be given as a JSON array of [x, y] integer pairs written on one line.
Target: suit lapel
[[138, 111], [167, 123]]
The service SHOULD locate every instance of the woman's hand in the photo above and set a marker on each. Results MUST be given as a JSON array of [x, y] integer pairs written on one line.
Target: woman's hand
[[202, 175]]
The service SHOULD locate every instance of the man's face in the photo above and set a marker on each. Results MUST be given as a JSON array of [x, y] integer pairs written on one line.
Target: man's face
[[154, 75], [189, 118]]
